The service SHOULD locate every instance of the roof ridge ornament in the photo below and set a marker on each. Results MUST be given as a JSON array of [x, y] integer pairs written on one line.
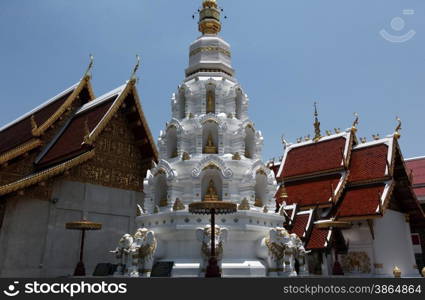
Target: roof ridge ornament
[[34, 125], [397, 134], [133, 76], [209, 18], [90, 66], [285, 142], [317, 133], [355, 123]]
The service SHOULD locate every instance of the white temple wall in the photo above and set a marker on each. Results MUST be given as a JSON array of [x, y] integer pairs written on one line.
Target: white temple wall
[[393, 244], [360, 258], [33, 238]]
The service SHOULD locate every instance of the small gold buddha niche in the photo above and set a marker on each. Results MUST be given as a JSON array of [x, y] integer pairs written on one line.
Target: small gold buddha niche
[[210, 148], [210, 102], [211, 194]]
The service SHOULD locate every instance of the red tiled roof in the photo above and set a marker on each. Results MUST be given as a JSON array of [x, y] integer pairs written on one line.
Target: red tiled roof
[[317, 238], [21, 131], [70, 141], [314, 157], [362, 201], [368, 163], [300, 224], [417, 167], [311, 192]]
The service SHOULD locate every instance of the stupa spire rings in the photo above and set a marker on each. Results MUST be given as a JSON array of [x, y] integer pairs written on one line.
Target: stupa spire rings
[[209, 18]]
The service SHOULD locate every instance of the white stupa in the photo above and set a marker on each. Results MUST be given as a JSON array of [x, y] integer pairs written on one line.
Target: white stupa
[[210, 149]]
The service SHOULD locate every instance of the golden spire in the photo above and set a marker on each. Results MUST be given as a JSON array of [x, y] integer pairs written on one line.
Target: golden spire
[[209, 18], [317, 133]]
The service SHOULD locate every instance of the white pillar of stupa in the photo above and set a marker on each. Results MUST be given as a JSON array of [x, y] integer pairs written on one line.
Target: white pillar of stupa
[[210, 141]]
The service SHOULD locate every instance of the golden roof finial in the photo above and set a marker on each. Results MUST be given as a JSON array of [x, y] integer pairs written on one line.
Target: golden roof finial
[[209, 18], [136, 67], [355, 123], [317, 133], [397, 134], [90, 66], [34, 125]]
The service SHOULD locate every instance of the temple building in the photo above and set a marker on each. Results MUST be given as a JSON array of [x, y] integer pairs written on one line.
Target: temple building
[[72, 158], [351, 201], [210, 151], [416, 167]]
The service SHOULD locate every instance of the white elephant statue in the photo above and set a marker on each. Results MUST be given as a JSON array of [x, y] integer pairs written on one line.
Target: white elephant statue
[[302, 259], [276, 242], [122, 253], [142, 251], [284, 250], [135, 253], [203, 235], [290, 254]]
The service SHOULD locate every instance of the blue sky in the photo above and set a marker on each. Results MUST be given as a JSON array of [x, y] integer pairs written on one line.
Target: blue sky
[[287, 54]]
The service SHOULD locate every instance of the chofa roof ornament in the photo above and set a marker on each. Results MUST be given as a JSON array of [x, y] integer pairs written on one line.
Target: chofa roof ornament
[[397, 134], [355, 123], [317, 133], [133, 76], [90, 66]]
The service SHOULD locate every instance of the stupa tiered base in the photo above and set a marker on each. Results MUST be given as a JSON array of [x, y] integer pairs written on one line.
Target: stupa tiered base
[[244, 255]]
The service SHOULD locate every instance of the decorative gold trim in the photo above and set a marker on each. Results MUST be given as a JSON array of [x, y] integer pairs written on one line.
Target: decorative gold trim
[[144, 122], [43, 127], [108, 116], [202, 70], [388, 198], [208, 49], [38, 130], [19, 150], [113, 110], [44, 175]]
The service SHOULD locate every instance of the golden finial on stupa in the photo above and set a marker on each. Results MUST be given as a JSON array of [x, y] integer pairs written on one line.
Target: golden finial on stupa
[[317, 133], [209, 18]]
